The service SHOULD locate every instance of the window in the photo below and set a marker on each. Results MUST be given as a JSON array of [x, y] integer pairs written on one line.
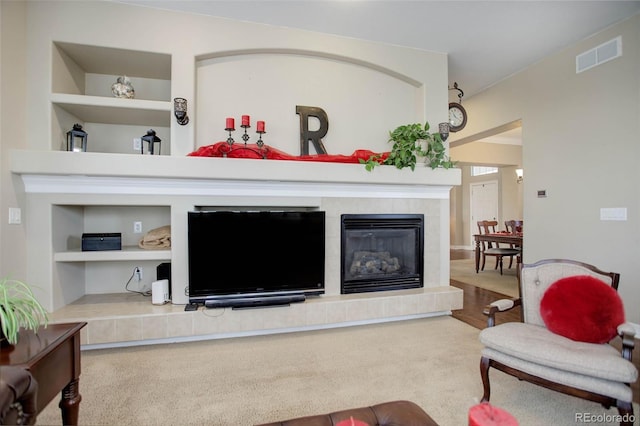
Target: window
[[479, 170]]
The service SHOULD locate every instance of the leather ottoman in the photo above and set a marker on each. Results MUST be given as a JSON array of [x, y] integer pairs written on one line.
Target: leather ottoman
[[395, 413]]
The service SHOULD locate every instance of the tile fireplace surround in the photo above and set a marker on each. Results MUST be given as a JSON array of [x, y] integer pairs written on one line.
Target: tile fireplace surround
[[182, 184]]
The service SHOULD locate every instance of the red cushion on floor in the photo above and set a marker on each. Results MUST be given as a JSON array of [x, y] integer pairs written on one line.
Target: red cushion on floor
[[582, 308]]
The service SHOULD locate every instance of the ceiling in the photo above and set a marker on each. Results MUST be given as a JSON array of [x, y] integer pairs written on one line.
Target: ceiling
[[486, 41]]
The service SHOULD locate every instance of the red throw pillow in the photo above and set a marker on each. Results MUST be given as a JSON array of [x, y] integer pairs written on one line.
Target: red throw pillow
[[582, 308]]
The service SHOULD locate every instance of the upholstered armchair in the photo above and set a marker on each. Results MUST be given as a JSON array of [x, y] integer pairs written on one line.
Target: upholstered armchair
[[570, 313]]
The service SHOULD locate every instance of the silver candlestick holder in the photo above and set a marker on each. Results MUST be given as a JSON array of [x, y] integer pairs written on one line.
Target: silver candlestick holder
[[260, 142], [245, 136], [230, 141], [261, 151]]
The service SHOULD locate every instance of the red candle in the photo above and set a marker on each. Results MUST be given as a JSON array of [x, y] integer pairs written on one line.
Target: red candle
[[231, 125], [260, 125], [484, 414], [245, 120]]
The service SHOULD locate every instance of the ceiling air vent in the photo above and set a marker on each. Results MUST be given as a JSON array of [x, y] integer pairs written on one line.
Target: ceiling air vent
[[599, 55]]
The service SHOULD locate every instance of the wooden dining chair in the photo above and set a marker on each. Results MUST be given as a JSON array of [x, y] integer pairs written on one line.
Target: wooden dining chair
[[514, 226], [493, 249]]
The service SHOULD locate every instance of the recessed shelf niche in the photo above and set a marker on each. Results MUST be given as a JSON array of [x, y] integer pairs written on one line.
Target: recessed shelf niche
[[82, 76], [105, 271]]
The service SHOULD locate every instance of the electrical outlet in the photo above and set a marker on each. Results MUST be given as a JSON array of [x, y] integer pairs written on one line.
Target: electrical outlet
[[138, 274], [137, 227], [137, 144]]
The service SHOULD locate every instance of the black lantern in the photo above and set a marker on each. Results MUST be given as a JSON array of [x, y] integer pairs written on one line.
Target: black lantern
[[77, 139], [151, 139]]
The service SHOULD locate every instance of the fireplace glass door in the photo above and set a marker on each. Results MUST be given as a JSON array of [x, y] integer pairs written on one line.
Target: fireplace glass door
[[381, 252]]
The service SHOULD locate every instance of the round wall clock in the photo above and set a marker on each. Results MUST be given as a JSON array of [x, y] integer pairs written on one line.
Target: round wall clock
[[457, 117]]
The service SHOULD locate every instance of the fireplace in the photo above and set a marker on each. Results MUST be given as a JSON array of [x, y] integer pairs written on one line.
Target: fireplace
[[381, 252]]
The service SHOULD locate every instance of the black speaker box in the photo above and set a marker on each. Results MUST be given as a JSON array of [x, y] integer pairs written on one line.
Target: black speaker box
[[163, 272]]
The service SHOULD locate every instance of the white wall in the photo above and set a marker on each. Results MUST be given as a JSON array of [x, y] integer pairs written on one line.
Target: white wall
[[580, 144], [362, 103], [13, 129]]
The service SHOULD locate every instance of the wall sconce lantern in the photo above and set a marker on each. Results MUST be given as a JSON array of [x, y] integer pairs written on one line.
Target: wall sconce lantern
[[77, 139], [519, 174], [151, 139], [443, 129], [180, 110]]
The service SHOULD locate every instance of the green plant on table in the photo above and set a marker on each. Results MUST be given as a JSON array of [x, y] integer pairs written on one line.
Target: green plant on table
[[19, 308], [411, 141]]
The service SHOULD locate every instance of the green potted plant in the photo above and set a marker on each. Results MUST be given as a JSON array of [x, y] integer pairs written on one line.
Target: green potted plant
[[410, 142], [18, 308]]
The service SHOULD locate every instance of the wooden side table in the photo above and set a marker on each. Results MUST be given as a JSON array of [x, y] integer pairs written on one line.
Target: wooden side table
[[53, 358]]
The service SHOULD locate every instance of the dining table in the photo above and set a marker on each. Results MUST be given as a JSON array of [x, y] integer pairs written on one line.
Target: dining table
[[498, 237]]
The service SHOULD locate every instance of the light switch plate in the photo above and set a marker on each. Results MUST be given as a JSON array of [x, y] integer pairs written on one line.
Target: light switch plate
[[15, 216], [613, 213]]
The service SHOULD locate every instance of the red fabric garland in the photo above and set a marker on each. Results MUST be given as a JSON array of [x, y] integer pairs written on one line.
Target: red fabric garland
[[219, 149]]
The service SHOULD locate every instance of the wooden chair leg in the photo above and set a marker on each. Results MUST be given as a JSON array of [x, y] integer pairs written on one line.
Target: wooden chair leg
[[626, 412], [484, 259], [484, 373], [500, 257], [510, 261]]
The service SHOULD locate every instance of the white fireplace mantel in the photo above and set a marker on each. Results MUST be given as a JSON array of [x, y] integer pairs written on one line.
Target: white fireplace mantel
[[98, 173]]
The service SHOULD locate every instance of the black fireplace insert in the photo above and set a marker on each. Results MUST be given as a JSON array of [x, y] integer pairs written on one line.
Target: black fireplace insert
[[381, 252]]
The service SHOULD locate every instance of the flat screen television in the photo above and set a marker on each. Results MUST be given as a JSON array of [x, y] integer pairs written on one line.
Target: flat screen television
[[253, 258]]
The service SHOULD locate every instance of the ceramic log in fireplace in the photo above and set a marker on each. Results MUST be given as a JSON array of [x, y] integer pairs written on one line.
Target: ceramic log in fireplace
[[381, 252]]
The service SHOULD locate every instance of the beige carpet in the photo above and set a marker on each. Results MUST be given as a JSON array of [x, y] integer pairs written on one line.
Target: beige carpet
[[490, 279], [248, 380]]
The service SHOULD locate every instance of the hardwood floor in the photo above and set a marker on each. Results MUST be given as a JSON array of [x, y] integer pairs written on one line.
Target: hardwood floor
[[474, 301], [476, 298]]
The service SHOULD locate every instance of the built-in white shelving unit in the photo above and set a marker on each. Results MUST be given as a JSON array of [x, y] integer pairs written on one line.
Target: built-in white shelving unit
[[108, 188], [81, 80]]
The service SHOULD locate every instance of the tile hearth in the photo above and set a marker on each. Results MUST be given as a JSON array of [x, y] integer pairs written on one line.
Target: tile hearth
[[123, 319]]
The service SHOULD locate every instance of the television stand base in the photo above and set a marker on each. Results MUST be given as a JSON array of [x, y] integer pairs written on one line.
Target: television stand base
[[191, 307], [255, 302]]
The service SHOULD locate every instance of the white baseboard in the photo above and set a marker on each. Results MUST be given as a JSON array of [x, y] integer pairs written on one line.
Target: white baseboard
[[462, 248]]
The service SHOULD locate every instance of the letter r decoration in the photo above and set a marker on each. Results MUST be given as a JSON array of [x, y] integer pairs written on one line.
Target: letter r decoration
[[314, 136]]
